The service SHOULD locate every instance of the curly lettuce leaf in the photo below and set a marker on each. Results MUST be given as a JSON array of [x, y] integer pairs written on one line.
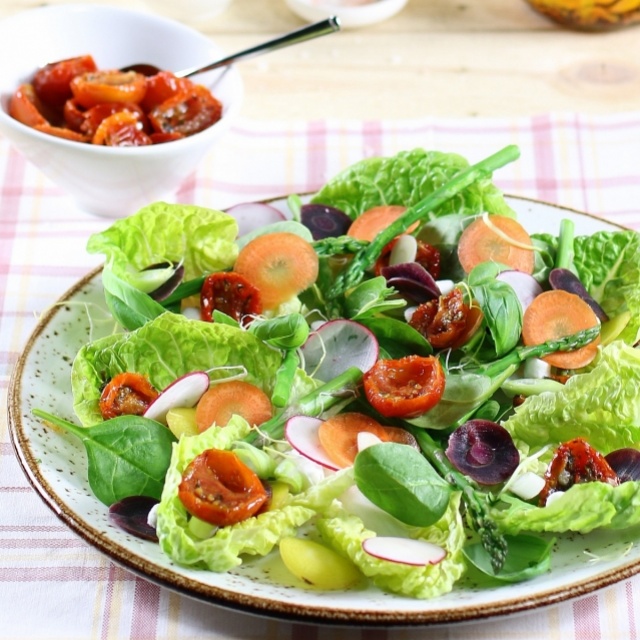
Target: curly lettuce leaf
[[346, 533], [165, 349], [583, 508], [203, 240], [601, 405], [405, 179], [257, 535]]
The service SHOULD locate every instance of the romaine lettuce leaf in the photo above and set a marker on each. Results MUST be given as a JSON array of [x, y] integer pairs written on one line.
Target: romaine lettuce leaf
[[405, 179], [164, 349], [608, 264], [346, 532], [583, 508], [203, 240], [255, 536], [601, 405]]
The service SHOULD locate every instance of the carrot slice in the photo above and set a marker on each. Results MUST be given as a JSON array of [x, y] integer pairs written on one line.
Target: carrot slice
[[280, 265], [234, 397], [555, 314], [497, 239], [369, 223], [338, 435]]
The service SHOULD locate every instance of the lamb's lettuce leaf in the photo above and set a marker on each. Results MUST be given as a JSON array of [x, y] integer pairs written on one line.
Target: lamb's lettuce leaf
[[601, 405], [203, 240], [165, 349], [257, 535], [346, 532], [405, 179]]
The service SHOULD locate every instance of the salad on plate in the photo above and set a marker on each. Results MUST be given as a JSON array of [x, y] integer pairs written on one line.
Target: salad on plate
[[394, 384]]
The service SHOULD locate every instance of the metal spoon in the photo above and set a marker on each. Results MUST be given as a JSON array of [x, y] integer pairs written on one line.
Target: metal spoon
[[324, 27]]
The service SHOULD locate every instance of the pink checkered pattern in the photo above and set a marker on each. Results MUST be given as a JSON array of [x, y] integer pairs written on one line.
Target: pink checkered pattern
[[54, 586]]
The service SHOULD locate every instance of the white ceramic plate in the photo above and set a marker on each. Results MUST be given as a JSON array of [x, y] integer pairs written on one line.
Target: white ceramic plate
[[55, 466]]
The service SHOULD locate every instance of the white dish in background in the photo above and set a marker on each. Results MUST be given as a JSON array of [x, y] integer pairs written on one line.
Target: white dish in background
[[110, 181], [56, 467], [352, 13]]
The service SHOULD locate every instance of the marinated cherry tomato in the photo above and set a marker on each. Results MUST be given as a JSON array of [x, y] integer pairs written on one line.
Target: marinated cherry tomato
[[126, 394], [52, 82], [187, 112], [219, 488], [160, 138], [94, 116], [25, 107], [96, 87], [161, 87], [60, 132], [575, 462], [230, 293], [73, 115], [404, 388], [443, 321], [122, 129]]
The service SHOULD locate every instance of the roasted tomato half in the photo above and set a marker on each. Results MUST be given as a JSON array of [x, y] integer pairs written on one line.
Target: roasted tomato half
[[97, 87], [230, 293], [406, 387], [52, 83], [187, 112], [574, 462], [126, 394], [219, 488]]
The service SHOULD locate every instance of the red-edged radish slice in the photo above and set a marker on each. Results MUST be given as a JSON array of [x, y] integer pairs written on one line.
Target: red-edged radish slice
[[525, 286], [301, 433], [252, 215], [418, 553], [183, 392], [338, 345]]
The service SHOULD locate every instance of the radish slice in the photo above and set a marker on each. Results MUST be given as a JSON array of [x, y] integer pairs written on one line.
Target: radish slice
[[404, 250], [367, 439], [417, 553], [252, 215], [338, 345], [183, 392], [301, 433], [525, 286]]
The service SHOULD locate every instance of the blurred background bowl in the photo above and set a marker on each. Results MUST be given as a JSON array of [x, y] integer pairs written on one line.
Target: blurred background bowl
[[352, 13], [110, 181]]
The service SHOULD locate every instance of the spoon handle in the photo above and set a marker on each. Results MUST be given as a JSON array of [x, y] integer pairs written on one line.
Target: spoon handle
[[324, 27]]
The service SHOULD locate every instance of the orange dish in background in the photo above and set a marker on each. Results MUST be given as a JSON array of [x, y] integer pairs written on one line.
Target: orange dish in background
[[73, 99]]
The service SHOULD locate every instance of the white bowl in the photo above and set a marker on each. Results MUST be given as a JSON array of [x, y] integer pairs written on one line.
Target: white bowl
[[110, 181], [352, 13]]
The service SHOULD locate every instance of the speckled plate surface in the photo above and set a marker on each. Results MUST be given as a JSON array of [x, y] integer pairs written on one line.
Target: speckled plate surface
[[55, 465]]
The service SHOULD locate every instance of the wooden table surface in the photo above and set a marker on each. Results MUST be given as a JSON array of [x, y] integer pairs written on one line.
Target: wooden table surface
[[436, 57]]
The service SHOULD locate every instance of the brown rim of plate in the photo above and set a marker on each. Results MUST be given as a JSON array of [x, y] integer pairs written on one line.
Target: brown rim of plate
[[261, 605]]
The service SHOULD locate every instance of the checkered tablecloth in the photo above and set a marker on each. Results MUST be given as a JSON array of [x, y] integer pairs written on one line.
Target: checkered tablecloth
[[52, 584]]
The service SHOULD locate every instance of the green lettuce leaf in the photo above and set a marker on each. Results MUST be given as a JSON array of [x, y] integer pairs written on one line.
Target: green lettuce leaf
[[405, 179], [583, 508], [255, 536], [346, 532], [608, 264], [203, 240], [165, 349], [601, 405]]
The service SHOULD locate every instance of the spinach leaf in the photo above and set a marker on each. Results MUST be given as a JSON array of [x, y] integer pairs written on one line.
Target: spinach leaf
[[370, 297], [527, 557], [399, 479], [127, 456], [397, 337]]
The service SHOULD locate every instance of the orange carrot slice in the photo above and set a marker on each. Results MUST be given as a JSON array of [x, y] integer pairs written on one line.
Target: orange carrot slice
[[234, 397], [338, 435], [497, 239], [555, 314], [280, 265], [369, 223]]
